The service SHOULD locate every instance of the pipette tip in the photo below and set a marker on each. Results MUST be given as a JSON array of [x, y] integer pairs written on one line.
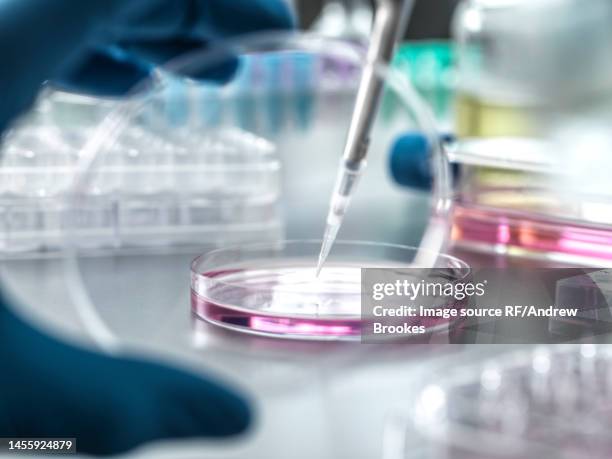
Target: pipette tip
[[319, 266], [329, 237], [345, 184]]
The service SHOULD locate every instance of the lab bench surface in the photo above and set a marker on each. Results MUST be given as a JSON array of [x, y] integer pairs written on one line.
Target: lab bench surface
[[313, 400]]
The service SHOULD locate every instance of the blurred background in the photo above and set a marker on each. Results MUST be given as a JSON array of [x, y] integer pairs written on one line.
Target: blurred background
[[430, 19], [520, 96]]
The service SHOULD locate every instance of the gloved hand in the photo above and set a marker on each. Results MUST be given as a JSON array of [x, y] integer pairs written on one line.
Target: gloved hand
[[106, 46], [48, 388], [110, 405]]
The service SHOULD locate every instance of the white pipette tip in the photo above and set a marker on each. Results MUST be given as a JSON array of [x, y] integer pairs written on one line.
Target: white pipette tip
[[345, 184], [331, 231]]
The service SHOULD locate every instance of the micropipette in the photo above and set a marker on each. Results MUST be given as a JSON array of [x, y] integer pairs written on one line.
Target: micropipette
[[389, 21]]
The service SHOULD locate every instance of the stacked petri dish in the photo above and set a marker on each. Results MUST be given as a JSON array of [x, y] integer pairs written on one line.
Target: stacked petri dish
[[531, 117], [551, 401]]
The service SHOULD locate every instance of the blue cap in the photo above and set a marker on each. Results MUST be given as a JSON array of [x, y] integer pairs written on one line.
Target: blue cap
[[409, 160]]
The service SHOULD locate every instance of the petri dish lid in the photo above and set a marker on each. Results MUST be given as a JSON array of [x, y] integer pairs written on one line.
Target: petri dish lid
[[522, 403], [188, 165]]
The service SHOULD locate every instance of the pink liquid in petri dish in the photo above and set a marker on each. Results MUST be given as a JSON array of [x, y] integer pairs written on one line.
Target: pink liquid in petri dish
[[280, 301], [492, 229], [289, 302], [257, 322], [277, 301]]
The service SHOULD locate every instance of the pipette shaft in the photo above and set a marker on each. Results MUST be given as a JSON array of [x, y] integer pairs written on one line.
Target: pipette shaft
[[388, 24]]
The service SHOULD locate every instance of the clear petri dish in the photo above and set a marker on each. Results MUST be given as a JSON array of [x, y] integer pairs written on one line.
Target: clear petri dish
[[524, 188], [273, 290], [544, 401]]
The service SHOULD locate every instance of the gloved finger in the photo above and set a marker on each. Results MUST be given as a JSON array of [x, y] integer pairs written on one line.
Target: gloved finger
[[409, 160], [114, 72], [110, 405], [220, 66], [161, 32], [150, 403], [203, 19], [105, 73], [193, 407], [175, 404]]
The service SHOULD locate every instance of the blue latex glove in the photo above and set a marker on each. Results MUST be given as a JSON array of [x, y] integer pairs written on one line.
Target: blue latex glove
[[110, 405], [107, 46], [48, 388]]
